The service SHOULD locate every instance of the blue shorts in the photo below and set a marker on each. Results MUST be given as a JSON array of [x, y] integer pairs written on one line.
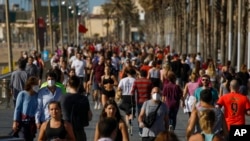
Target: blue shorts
[[96, 86]]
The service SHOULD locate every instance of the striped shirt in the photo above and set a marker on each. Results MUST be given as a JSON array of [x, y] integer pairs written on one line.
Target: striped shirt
[[143, 87]]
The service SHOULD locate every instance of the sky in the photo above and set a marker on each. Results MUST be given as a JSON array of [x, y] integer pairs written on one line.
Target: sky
[[93, 3], [24, 3]]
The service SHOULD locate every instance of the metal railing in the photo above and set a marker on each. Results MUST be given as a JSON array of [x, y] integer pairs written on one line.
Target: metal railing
[[5, 95]]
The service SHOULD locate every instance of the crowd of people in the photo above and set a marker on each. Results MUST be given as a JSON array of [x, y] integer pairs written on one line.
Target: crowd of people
[[131, 78]]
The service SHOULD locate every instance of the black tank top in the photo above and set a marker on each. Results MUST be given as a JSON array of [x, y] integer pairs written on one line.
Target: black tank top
[[108, 80], [118, 135], [53, 133]]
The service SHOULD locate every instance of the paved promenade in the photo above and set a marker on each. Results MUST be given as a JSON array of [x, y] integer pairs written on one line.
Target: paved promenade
[[6, 115]]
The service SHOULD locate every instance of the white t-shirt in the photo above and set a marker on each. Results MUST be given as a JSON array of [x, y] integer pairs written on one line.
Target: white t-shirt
[[126, 85], [79, 66], [71, 59]]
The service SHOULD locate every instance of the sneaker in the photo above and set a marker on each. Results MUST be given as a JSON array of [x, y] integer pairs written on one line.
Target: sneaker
[[140, 134], [95, 107], [99, 106], [171, 128]]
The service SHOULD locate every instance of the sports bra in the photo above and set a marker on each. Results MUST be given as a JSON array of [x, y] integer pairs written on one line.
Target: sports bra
[[53, 133], [107, 80]]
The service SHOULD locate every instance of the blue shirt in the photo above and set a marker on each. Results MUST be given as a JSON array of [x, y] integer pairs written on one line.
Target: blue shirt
[[26, 104], [197, 94], [45, 96]]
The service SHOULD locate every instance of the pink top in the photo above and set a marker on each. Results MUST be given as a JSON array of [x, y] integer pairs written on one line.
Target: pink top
[[191, 87]]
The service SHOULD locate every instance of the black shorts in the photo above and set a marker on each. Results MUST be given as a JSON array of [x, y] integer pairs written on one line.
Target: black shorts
[[87, 77], [109, 94], [127, 104]]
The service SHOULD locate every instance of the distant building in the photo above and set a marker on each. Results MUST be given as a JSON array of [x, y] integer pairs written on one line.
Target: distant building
[[97, 23]]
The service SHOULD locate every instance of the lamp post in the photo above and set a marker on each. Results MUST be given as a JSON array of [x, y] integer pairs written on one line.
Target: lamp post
[[50, 27], [35, 24], [68, 9], [10, 58], [60, 22]]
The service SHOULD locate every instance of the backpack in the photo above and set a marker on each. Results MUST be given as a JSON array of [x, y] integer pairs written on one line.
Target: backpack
[[79, 112]]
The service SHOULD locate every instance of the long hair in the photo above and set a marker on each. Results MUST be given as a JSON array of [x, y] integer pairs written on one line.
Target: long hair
[[31, 81], [207, 120], [117, 114]]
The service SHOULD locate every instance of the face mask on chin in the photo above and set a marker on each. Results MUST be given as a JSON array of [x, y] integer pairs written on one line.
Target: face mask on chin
[[51, 83], [156, 96]]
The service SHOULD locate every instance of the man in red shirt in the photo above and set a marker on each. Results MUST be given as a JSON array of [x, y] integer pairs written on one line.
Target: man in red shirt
[[142, 87], [236, 105], [145, 66], [96, 73]]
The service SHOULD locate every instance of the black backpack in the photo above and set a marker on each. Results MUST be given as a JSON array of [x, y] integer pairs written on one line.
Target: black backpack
[[79, 112]]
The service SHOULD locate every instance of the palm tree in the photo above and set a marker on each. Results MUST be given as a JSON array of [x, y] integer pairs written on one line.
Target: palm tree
[[125, 10], [108, 9]]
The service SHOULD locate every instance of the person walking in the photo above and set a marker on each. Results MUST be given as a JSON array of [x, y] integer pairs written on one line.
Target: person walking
[[141, 88], [24, 113], [235, 105], [128, 101], [207, 121], [56, 128], [108, 82], [171, 96], [68, 101], [161, 119], [188, 93], [31, 68], [96, 74], [205, 79], [45, 95], [111, 110], [107, 129], [18, 79], [219, 127]]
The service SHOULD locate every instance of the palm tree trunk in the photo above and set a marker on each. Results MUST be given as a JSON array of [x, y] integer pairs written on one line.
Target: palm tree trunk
[[203, 24], [234, 35], [193, 25], [222, 33]]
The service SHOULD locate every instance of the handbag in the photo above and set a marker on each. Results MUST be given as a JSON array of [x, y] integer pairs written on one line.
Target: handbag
[[151, 117]]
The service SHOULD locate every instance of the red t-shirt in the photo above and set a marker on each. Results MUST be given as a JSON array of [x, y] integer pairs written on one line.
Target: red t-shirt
[[235, 106], [92, 48], [145, 67]]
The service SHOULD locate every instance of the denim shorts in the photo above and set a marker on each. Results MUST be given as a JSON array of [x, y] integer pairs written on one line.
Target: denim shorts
[[96, 86]]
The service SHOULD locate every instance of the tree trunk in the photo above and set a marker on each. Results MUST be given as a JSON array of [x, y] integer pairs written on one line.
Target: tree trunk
[[203, 24], [193, 26], [234, 35], [222, 33]]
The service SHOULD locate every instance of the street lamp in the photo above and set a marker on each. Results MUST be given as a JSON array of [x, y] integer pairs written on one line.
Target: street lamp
[[10, 59], [50, 26]]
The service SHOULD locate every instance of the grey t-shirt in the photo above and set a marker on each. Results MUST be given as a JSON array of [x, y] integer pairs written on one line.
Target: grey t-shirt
[[159, 124]]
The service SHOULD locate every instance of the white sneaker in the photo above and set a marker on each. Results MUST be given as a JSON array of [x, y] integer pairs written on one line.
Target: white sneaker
[[99, 105], [95, 107]]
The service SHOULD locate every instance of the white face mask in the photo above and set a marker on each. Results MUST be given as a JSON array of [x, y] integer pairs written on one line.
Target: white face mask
[[51, 83], [35, 88], [156, 96]]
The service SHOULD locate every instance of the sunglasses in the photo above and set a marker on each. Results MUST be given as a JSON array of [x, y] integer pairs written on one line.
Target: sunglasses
[[205, 80]]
